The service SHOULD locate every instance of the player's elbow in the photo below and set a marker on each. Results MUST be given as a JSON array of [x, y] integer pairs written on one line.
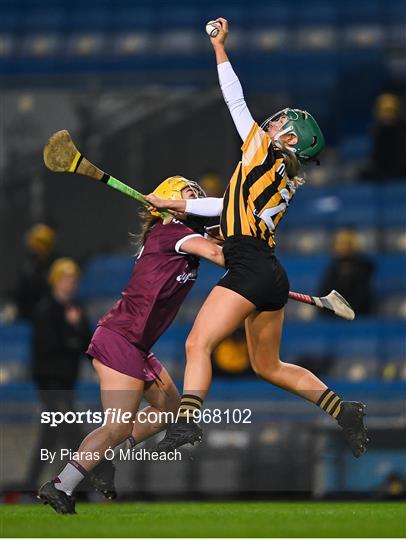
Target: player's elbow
[[209, 251], [216, 255], [215, 252]]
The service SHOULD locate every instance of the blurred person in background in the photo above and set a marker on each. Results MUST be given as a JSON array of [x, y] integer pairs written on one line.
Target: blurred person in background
[[212, 184], [60, 336], [388, 140], [350, 272], [32, 284], [392, 487]]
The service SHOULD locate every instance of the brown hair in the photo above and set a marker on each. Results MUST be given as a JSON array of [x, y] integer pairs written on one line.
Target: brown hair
[[292, 164], [147, 222]]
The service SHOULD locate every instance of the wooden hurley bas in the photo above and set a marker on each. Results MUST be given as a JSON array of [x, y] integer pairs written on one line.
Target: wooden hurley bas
[[61, 155]]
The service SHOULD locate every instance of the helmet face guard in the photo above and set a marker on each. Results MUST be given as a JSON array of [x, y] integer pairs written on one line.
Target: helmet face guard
[[301, 123], [171, 189]]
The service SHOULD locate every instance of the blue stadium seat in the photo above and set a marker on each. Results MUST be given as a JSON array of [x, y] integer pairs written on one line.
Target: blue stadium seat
[[268, 14], [365, 206], [8, 19], [395, 11], [15, 352], [35, 20], [320, 11], [105, 275], [171, 345], [324, 206], [15, 342], [364, 339], [181, 16], [391, 204], [133, 18], [207, 279], [305, 271], [233, 11], [390, 274], [362, 11], [84, 18], [158, 15], [355, 148]]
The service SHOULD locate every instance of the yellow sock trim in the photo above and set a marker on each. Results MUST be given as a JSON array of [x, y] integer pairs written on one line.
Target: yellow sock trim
[[332, 404], [329, 395], [337, 411], [191, 400], [188, 407]]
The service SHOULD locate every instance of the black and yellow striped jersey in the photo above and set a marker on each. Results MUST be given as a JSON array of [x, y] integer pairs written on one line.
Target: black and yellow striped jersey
[[259, 190]]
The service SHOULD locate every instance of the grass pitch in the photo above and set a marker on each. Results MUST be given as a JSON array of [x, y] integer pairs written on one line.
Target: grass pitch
[[208, 519]]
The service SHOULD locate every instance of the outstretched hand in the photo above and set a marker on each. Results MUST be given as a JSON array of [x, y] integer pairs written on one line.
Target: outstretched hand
[[222, 25], [156, 202], [176, 208]]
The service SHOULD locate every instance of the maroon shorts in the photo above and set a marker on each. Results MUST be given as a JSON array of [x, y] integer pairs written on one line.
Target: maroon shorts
[[116, 352]]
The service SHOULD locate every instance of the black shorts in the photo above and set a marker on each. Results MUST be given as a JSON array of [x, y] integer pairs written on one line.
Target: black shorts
[[254, 272]]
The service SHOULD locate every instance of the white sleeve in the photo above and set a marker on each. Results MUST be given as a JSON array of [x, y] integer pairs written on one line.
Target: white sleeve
[[207, 207], [234, 97], [180, 242]]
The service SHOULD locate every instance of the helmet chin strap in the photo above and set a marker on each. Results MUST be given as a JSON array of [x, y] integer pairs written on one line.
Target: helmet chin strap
[[279, 135]]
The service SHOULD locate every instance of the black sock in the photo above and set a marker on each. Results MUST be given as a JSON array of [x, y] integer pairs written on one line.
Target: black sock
[[330, 403], [189, 408]]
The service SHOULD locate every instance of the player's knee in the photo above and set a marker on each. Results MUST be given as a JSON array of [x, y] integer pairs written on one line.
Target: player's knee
[[196, 343], [191, 344], [267, 368], [171, 404]]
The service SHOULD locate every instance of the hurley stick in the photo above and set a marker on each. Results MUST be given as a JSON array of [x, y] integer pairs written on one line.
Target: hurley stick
[[61, 155], [333, 302]]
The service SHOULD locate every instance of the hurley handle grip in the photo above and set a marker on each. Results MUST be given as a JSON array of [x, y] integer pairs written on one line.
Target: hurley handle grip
[[130, 192], [127, 190]]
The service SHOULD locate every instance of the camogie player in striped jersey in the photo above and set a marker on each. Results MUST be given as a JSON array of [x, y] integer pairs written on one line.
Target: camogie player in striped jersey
[[255, 286]]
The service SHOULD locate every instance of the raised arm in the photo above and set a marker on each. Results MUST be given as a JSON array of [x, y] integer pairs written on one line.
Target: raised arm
[[207, 207], [229, 82]]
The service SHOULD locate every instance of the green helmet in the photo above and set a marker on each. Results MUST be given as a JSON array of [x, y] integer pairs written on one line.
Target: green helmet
[[310, 138]]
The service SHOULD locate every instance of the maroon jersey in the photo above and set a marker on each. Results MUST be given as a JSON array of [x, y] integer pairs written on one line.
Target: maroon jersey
[[161, 279]]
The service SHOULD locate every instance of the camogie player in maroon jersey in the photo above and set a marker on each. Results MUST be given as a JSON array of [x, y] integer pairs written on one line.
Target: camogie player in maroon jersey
[[164, 273]]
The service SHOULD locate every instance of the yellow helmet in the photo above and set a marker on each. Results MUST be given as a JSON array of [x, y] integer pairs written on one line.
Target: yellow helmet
[[171, 189]]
